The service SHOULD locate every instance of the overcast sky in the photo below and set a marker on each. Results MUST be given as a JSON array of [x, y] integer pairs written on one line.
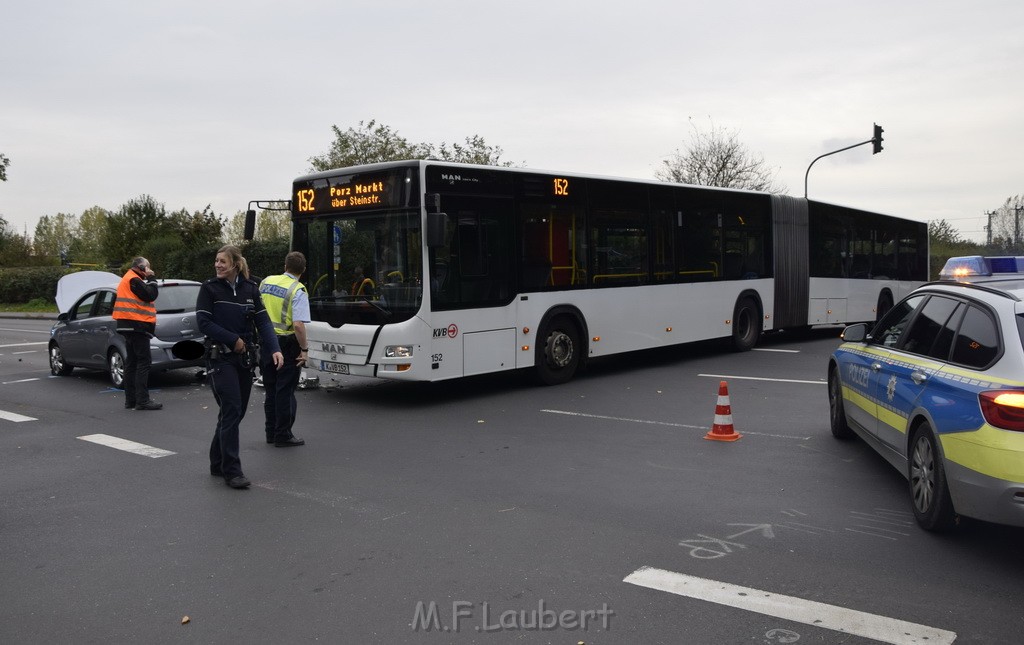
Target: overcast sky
[[223, 101]]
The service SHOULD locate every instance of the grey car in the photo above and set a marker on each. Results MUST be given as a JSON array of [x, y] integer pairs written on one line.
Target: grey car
[[86, 335]]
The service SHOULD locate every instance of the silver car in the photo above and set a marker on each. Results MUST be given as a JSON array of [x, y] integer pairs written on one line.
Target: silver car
[[85, 334]]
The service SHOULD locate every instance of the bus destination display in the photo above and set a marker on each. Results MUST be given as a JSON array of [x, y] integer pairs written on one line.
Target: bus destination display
[[348, 192]]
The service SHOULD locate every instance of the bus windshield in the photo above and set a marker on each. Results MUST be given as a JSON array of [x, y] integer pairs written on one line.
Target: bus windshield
[[364, 268]]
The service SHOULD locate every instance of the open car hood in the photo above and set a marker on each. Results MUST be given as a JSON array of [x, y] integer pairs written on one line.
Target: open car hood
[[71, 287]]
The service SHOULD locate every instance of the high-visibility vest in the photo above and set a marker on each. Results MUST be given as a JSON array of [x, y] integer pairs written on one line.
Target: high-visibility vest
[[276, 291], [127, 306]]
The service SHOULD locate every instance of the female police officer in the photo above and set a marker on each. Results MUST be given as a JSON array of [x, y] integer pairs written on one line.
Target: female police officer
[[228, 311]]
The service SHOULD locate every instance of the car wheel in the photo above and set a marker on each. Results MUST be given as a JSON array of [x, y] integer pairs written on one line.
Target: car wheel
[[57, 365], [836, 409], [559, 351], [933, 507], [115, 365], [746, 327]]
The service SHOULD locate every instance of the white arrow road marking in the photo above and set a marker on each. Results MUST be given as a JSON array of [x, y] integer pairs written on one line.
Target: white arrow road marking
[[127, 446], [808, 612]]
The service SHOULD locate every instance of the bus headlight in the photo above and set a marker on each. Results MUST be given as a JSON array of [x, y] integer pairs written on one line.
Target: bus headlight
[[398, 351]]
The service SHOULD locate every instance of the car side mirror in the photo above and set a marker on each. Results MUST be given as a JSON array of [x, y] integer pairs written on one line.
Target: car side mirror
[[855, 333], [63, 316]]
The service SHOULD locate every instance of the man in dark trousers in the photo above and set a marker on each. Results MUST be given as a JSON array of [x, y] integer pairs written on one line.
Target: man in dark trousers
[[135, 316], [288, 307]]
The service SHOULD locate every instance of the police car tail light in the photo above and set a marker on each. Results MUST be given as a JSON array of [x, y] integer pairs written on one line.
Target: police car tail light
[[1003, 409]]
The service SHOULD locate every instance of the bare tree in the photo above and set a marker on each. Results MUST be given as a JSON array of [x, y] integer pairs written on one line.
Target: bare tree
[[717, 158]]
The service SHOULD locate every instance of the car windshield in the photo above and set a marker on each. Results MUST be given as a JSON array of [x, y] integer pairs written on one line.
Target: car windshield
[[177, 298]]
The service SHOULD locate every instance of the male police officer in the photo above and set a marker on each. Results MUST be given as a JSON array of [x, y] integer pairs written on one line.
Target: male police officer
[[287, 304], [135, 317]]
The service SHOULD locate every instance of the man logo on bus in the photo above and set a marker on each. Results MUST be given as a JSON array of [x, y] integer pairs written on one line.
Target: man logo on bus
[[451, 331]]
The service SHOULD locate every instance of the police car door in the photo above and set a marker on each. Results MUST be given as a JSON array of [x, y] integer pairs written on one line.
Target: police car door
[[870, 376], [920, 353]]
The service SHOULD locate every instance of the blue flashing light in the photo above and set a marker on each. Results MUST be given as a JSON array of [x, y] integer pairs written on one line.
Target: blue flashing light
[[965, 267], [1007, 264], [968, 266]]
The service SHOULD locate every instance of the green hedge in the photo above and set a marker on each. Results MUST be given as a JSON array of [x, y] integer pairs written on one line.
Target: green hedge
[[23, 284]]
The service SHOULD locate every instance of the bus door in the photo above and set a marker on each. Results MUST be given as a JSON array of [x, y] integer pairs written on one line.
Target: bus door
[[471, 288]]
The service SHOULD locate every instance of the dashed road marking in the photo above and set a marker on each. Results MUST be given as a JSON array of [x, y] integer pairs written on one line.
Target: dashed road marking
[[664, 423], [762, 378], [24, 380], [126, 445], [17, 418], [808, 612]]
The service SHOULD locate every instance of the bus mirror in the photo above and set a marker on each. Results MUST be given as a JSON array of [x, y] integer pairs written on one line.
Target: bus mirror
[[250, 225], [435, 229]]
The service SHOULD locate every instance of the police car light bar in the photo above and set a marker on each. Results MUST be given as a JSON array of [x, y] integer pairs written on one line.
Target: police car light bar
[[975, 265]]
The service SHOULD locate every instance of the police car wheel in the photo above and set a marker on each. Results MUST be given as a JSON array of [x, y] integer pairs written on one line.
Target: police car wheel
[[837, 412], [929, 494]]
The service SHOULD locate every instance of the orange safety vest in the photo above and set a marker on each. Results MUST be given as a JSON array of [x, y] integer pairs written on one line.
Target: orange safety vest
[[127, 306]]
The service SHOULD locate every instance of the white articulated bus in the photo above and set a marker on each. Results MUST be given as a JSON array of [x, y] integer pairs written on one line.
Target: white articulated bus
[[427, 270]]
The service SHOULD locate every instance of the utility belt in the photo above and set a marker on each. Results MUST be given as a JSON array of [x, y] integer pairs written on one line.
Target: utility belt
[[248, 359]]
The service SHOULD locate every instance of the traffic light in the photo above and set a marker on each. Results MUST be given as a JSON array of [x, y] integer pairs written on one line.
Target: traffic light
[[876, 141]]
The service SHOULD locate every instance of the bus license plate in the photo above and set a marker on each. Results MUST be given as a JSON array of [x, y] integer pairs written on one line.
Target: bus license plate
[[335, 368]]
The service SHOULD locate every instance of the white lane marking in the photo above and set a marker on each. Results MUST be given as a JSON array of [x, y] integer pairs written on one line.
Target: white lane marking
[[665, 423], [24, 380], [808, 612], [23, 344], [27, 351], [126, 445], [600, 416], [17, 418], [781, 351], [759, 378], [27, 331]]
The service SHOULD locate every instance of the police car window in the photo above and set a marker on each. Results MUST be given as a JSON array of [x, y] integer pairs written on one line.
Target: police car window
[[977, 344], [944, 342], [887, 331], [921, 337]]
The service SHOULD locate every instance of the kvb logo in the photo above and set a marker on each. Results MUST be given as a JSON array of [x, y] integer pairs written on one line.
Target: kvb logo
[[451, 331]]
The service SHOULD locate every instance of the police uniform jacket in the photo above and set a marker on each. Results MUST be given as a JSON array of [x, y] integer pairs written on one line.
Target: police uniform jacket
[[223, 313]]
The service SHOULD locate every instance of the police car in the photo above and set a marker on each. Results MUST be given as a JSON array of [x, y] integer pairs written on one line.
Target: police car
[[937, 388]]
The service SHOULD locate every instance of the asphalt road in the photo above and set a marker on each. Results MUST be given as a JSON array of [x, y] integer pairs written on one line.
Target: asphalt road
[[486, 510]]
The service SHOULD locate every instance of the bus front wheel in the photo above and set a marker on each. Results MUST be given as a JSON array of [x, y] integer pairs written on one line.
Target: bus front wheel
[[746, 325], [559, 351]]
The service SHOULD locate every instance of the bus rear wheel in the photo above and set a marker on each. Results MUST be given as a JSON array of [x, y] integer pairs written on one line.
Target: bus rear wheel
[[746, 325], [559, 351]]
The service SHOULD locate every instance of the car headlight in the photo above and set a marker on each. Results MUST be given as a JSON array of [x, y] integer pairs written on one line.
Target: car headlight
[[398, 351]]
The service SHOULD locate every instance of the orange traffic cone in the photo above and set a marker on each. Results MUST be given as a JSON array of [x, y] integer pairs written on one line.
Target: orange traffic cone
[[722, 429]]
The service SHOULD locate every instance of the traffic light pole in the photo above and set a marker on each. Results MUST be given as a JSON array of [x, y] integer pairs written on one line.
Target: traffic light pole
[[876, 140]]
